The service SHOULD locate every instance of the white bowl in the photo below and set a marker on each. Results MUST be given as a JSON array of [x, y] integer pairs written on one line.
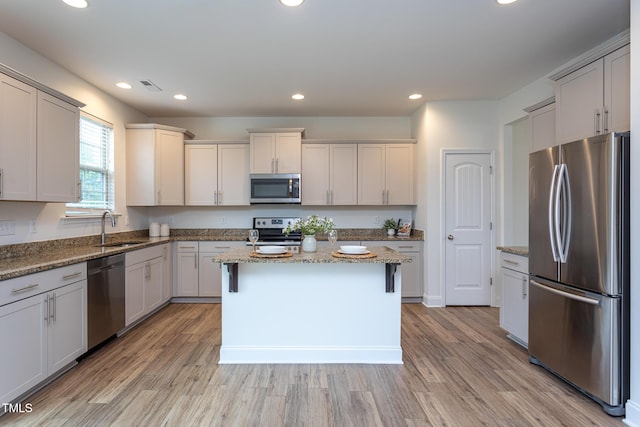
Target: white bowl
[[272, 249], [353, 249]]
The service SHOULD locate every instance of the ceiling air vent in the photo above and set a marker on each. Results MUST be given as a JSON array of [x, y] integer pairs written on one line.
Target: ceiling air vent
[[150, 85]]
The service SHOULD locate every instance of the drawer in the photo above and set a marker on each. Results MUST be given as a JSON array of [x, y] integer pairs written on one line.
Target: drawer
[[33, 284], [183, 247], [142, 255], [222, 246], [408, 246], [514, 262]]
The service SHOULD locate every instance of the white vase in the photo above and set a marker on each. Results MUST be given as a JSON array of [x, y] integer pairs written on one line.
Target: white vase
[[391, 232], [309, 243]]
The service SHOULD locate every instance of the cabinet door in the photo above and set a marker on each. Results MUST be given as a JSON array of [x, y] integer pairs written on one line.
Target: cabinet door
[[170, 168], [315, 174], [167, 283], [23, 333], [343, 170], [579, 98], [201, 175], [187, 273], [209, 276], [542, 128], [262, 152], [153, 284], [514, 310], [288, 152], [233, 175], [18, 103], [67, 337], [58, 145], [617, 90], [371, 174], [400, 174], [134, 295]]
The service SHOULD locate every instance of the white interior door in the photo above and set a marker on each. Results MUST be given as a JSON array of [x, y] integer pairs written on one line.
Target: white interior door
[[467, 228]]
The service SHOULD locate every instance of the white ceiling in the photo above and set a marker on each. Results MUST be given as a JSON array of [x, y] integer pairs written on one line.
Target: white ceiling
[[349, 57]]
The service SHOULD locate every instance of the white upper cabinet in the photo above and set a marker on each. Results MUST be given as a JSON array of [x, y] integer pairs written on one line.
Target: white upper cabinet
[[18, 106], [329, 174], [386, 174], [275, 152], [155, 165], [595, 98], [39, 142], [216, 174], [58, 170], [542, 127]]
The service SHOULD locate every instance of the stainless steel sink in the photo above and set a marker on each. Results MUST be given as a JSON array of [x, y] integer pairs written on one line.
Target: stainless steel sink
[[122, 244]]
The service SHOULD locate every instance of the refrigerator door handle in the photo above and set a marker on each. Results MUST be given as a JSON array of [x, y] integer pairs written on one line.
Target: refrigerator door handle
[[552, 218], [566, 294], [563, 218]]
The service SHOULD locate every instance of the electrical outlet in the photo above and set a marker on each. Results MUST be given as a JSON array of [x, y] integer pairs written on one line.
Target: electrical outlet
[[172, 221], [376, 220], [33, 226], [7, 227], [223, 220]]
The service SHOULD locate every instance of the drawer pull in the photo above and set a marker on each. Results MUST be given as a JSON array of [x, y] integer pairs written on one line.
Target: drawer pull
[[186, 247], [71, 276], [25, 289], [508, 261], [405, 247], [223, 247]]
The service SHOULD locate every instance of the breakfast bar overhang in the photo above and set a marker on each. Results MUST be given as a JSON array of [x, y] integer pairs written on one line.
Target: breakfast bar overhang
[[311, 307]]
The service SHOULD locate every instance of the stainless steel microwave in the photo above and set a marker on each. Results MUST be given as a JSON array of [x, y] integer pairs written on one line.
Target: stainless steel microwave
[[275, 188]]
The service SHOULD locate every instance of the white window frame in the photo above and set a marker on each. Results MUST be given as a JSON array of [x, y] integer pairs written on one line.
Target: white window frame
[[81, 209]]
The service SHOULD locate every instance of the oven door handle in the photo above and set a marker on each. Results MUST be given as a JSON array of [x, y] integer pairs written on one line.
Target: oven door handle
[[290, 187]]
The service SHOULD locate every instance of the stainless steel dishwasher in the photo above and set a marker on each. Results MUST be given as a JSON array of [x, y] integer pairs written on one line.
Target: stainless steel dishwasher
[[105, 298]]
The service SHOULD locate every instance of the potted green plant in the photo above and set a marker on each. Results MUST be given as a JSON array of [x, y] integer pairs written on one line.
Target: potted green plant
[[309, 228], [390, 225]]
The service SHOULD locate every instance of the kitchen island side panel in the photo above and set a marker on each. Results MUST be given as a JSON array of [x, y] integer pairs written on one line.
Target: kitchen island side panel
[[311, 313]]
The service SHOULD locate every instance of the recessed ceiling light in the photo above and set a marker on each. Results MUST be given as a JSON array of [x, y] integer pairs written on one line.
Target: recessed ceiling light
[[80, 4], [123, 85], [505, 1], [180, 97], [415, 96], [297, 96], [291, 3]]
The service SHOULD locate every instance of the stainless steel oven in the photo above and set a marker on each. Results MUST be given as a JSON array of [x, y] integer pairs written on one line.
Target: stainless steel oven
[[275, 188]]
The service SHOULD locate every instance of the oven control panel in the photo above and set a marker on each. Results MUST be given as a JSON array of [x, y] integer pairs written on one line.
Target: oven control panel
[[271, 222]]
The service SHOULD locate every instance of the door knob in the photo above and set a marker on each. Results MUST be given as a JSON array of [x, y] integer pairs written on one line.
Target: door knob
[[450, 237]]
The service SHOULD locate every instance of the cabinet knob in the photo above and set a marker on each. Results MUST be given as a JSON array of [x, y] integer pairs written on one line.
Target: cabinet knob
[[450, 237]]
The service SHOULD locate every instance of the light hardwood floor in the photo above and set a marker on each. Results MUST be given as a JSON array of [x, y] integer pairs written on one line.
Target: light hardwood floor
[[459, 370]]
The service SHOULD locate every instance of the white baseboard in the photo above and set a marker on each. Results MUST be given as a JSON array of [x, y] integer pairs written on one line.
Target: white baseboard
[[432, 301], [370, 355], [632, 413]]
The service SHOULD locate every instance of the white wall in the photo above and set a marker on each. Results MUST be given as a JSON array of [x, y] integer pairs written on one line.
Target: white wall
[[235, 128], [438, 126], [516, 185], [48, 216]]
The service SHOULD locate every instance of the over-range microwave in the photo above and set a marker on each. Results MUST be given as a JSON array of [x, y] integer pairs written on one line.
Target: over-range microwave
[[275, 188]]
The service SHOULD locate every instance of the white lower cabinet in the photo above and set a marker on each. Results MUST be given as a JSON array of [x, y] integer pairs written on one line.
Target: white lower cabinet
[[144, 282], [514, 310], [196, 273], [43, 332]]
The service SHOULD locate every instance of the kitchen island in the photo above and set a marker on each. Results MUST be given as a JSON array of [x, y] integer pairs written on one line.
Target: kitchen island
[[311, 307]]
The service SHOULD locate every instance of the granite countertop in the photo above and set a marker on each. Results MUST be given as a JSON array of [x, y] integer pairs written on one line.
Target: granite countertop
[[322, 256], [515, 250], [28, 258]]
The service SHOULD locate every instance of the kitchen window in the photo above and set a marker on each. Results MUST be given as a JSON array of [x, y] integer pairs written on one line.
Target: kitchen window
[[96, 167]]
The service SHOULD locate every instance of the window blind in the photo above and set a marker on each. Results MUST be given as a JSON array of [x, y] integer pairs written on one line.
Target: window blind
[[96, 164]]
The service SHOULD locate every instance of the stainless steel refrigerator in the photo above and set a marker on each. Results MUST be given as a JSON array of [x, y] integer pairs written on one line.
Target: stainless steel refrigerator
[[579, 265]]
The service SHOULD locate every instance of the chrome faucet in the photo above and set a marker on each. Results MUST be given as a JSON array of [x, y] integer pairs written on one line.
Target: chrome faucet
[[103, 236]]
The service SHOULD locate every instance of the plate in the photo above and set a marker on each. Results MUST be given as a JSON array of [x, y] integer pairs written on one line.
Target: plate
[[353, 250], [365, 252], [271, 250]]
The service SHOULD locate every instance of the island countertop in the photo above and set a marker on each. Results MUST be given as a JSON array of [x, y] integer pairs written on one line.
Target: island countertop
[[384, 255]]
